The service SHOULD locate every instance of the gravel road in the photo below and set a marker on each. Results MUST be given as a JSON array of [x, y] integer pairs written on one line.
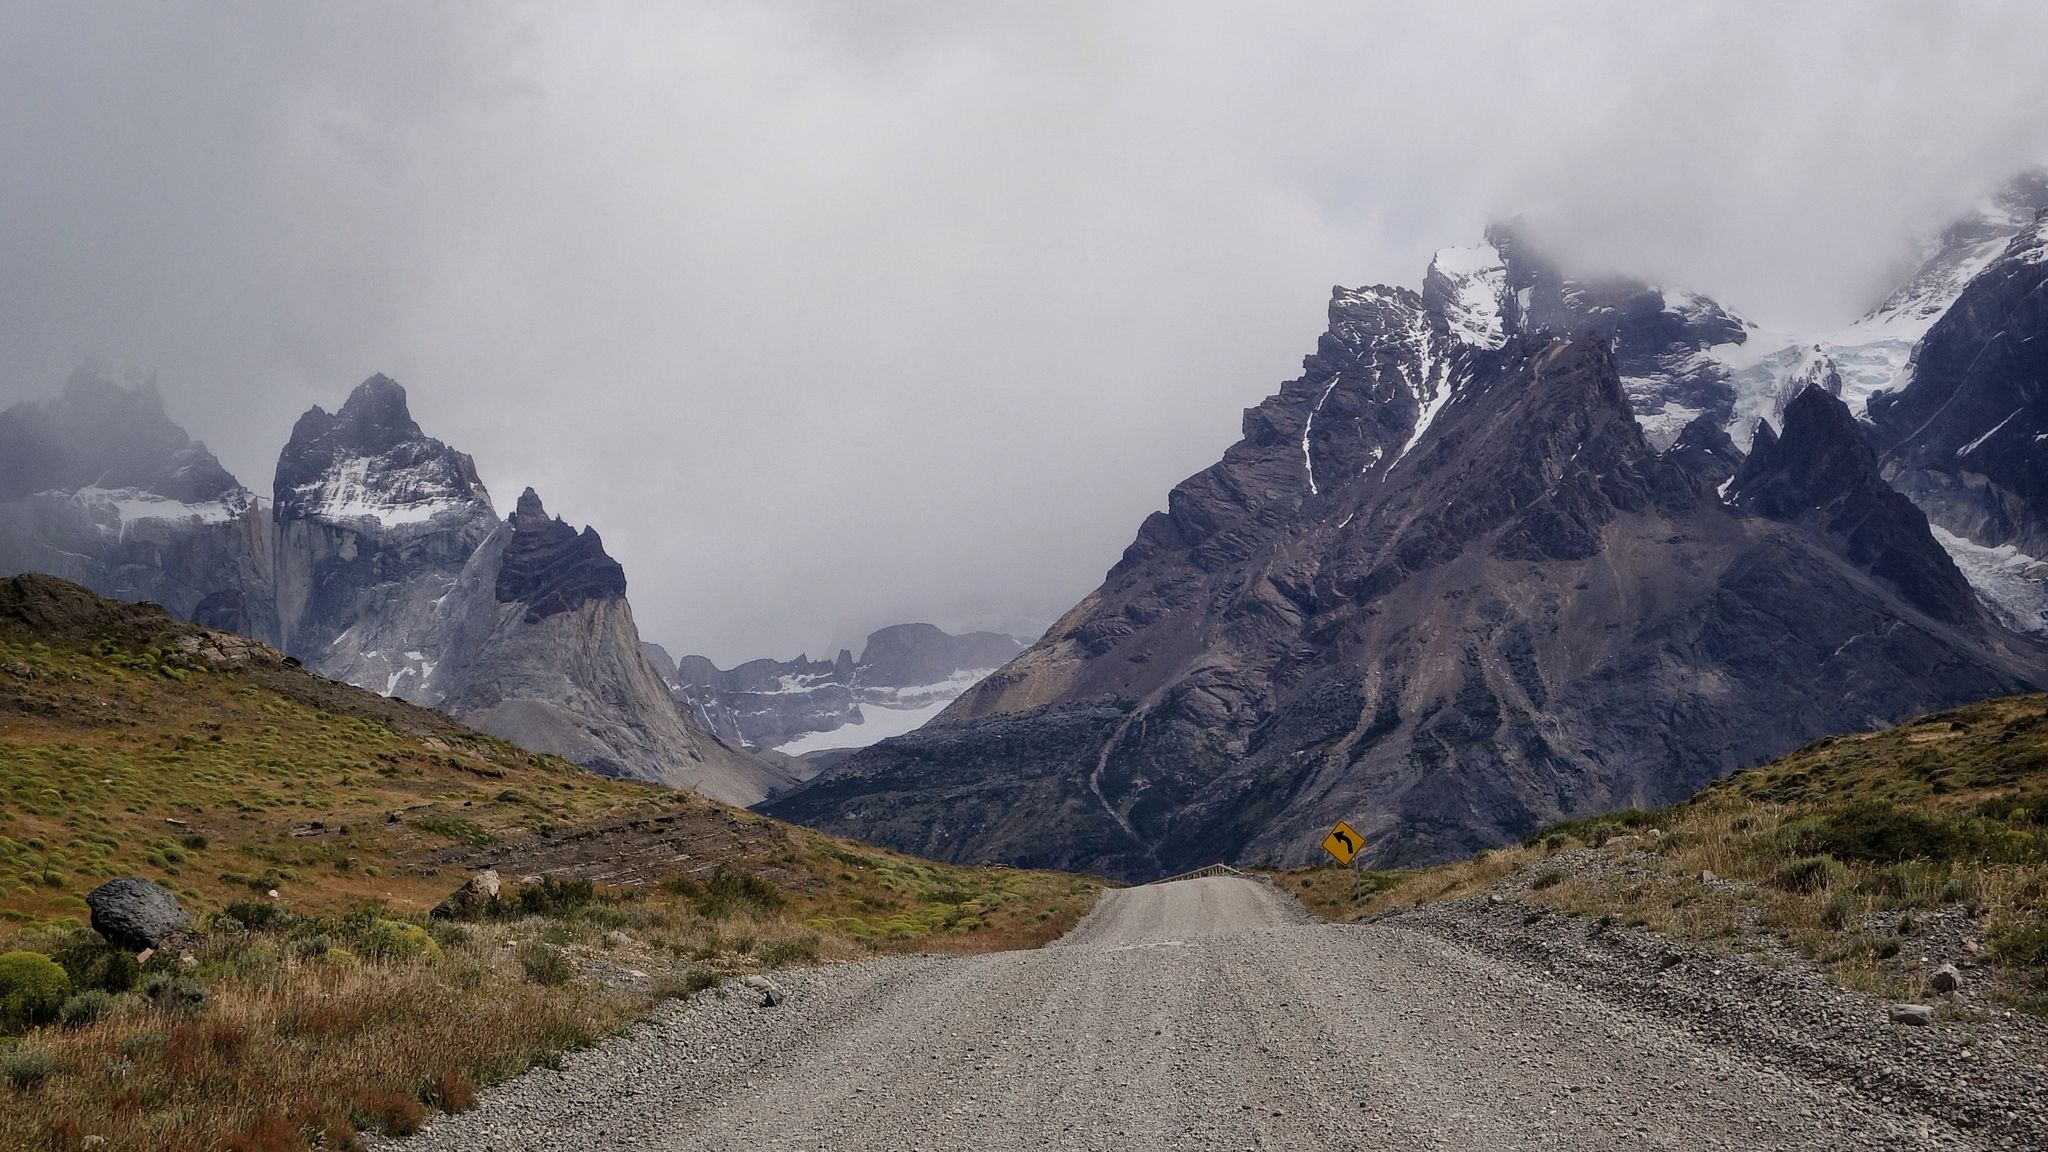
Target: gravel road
[[1200, 1014]]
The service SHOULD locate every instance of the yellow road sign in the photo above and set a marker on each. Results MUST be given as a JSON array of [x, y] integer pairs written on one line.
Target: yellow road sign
[[1344, 843]]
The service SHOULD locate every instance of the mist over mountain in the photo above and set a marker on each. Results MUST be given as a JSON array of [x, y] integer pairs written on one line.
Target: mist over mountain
[[998, 274]]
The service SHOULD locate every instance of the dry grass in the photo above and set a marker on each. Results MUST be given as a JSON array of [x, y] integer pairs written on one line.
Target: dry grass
[[337, 1006], [1841, 852]]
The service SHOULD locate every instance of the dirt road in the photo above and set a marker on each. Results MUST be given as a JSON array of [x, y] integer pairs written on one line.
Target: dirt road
[[1202, 1014]]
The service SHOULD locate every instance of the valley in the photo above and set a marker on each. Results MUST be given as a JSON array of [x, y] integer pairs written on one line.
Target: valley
[[1568, 711]]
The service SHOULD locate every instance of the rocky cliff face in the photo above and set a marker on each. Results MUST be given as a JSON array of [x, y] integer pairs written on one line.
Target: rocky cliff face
[[100, 486], [905, 675], [1448, 588], [375, 522], [552, 661], [1964, 436]]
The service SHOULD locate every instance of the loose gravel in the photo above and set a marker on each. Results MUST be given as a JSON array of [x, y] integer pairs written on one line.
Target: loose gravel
[[1204, 1014]]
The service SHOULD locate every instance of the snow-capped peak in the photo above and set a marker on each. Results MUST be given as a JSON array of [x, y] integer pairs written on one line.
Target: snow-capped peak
[[1470, 285], [370, 464]]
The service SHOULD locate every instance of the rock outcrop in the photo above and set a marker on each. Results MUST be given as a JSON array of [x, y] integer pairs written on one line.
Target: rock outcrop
[[134, 913], [376, 522], [550, 659]]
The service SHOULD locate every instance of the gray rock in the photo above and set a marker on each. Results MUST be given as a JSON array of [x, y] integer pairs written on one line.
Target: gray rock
[[134, 913], [1707, 876], [1917, 1015], [478, 895], [773, 997], [1946, 979]]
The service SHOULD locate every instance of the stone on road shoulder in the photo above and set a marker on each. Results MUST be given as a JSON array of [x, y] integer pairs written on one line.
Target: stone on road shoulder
[[1200, 1014]]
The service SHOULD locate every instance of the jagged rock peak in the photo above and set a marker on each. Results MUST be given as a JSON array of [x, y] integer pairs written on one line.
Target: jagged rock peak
[[101, 435], [1704, 449], [370, 463], [1820, 457], [375, 416], [1822, 472], [529, 514], [550, 567]]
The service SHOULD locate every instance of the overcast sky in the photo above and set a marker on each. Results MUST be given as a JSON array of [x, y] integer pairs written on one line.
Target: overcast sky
[[833, 315]]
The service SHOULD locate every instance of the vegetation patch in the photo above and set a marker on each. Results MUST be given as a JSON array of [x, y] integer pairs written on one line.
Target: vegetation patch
[[1837, 851], [308, 828]]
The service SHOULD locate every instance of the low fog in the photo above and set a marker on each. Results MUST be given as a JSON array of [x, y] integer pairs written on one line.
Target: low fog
[[833, 315]]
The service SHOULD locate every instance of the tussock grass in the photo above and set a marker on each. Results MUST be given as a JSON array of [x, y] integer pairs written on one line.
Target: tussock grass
[[1840, 851], [299, 822]]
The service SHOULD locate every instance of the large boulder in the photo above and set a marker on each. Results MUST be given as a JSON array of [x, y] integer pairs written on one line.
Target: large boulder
[[477, 896], [134, 913]]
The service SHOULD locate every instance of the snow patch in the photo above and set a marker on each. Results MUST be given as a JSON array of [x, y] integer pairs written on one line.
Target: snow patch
[[1438, 382], [351, 491], [1973, 445], [1662, 427], [879, 724], [2012, 585], [1308, 460], [127, 506], [1478, 280]]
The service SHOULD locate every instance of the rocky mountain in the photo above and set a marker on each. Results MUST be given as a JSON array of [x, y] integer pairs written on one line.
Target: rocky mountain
[[906, 674], [1962, 327], [99, 486], [544, 653], [1963, 436], [379, 562], [1459, 578], [376, 522]]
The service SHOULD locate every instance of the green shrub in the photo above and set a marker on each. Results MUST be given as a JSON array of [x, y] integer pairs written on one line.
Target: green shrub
[[258, 915], [1596, 830], [26, 1066], [553, 896], [1548, 878], [32, 988], [730, 891], [694, 981], [466, 831], [1810, 874], [545, 963], [2021, 945], [91, 962], [396, 940], [1883, 833], [87, 1007], [791, 951], [311, 947], [143, 1044]]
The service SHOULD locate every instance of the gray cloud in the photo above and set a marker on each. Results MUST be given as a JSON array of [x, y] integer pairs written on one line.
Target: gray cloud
[[834, 315]]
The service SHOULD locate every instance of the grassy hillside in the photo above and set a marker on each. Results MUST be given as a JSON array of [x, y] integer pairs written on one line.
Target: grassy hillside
[[309, 827], [1874, 855]]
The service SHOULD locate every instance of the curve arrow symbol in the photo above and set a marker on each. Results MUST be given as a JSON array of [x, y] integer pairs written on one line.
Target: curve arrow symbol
[[1348, 845]]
